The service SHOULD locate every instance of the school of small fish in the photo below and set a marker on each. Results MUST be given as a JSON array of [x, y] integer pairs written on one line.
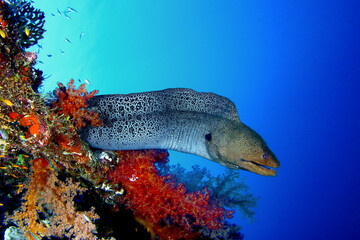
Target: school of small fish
[[64, 13]]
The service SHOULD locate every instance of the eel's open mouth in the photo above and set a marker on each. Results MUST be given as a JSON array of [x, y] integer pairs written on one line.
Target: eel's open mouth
[[253, 167], [259, 168]]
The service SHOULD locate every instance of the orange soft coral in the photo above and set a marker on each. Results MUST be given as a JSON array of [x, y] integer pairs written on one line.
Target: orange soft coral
[[161, 206], [72, 102], [53, 199], [68, 144]]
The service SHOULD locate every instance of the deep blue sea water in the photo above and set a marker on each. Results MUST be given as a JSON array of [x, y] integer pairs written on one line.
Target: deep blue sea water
[[291, 67]]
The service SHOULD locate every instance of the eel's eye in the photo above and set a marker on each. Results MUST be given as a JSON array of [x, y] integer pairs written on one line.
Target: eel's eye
[[265, 156], [208, 137]]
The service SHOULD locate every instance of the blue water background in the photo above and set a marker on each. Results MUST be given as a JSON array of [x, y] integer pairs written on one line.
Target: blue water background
[[291, 67]]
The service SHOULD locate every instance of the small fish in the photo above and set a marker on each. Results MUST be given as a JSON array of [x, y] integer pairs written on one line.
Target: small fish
[[39, 61], [46, 223], [2, 33], [72, 153], [14, 176], [7, 102], [4, 134], [86, 218], [82, 34], [67, 16], [59, 12], [72, 9], [40, 46], [49, 55], [18, 166], [87, 81], [62, 52], [52, 14], [19, 187], [47, 76], [36, 237], [67, 40], [27, 31]]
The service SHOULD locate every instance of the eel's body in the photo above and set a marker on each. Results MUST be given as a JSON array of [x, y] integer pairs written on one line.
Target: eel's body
[[179, 119]]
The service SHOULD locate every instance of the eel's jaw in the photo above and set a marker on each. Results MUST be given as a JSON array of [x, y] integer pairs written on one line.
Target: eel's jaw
[[261, 167], [258, 168]]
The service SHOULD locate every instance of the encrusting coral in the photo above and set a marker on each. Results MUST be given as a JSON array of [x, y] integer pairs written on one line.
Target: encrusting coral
[[45, 167]]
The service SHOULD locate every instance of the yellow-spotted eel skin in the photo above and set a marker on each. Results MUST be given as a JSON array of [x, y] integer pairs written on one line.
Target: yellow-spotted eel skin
[[180, 119]]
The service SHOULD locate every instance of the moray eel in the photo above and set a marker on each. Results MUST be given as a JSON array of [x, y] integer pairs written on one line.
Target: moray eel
[[204, 124]]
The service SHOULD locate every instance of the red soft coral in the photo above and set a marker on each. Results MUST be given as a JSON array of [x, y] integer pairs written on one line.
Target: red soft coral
[[72, 102], [164, 208]]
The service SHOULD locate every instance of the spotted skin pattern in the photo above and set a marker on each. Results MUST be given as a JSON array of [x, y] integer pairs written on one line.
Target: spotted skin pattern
[[176, 119]]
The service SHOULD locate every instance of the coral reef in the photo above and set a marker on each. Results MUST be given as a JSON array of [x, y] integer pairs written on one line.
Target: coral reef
[[53, 185], [227, 190], [167, 210], [72, 102], [25, 23], [48, 208]]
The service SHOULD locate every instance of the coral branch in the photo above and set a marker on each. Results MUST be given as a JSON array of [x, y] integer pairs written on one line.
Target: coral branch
[[48, 208], [72, 102], [158, 202]]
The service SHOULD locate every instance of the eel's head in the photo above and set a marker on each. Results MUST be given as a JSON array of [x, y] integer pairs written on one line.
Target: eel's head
[[237, 146]]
